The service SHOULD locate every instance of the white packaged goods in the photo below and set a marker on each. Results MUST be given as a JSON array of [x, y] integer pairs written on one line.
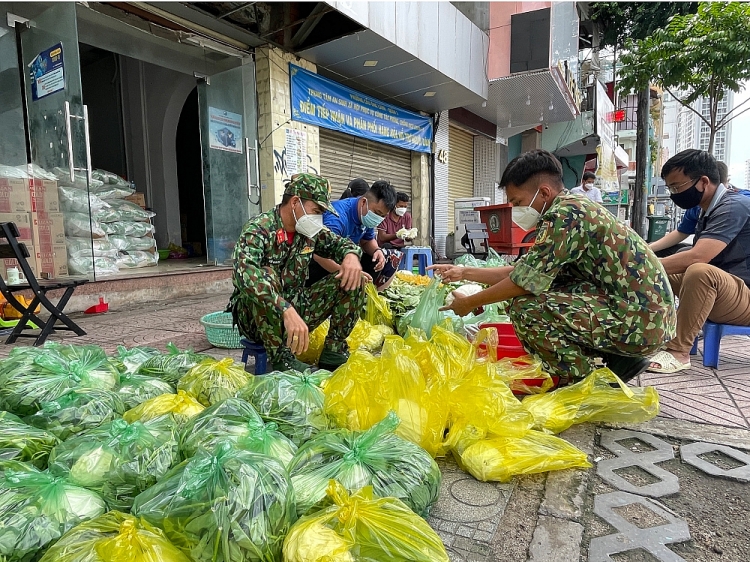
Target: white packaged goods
[[84, 266], [137, 229], [137, 258], [128, 243], [78, 225], [78, 201], [118, 210], [85, 247]]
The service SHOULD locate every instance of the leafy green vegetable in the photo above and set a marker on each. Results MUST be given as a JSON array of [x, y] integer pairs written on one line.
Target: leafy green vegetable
[[173, 366], [227, 506], [290, 399], [136, 389], [212, 380], [22, 442], [36, 509], [393, 466], [403, 297], [77, 410], [130, 360], [119, 460]]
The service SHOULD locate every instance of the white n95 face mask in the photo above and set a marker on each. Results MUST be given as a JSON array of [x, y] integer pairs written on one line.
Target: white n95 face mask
[[526, 216], [400, 211], [308, 225]]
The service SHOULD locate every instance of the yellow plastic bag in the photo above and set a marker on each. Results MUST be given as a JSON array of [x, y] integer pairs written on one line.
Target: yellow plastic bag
[[317, 340], [592, 400], [518, 372], [368, 337], [378, 311], [212, 380], [487, 457], [361, 528], [181, 406], [114, 537]]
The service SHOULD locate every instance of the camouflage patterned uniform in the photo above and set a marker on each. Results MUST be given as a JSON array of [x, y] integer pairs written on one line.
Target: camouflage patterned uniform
[[270, 274], [596, 287]]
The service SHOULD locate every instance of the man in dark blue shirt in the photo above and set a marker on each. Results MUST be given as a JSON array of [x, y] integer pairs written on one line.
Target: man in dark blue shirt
[[711, 279], [357, 220]]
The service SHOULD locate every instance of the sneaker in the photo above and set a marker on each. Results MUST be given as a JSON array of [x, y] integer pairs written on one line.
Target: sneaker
[[286, 361], [330, 360]]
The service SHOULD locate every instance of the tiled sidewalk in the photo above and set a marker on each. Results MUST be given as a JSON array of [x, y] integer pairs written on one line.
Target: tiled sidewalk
[[715, 396]]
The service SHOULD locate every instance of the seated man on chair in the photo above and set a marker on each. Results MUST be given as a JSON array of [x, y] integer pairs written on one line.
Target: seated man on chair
[[357, 218], [270, 303], [589, 287], [711, 279]]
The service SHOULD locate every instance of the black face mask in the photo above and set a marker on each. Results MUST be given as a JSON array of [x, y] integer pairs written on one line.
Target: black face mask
[[689, 198]]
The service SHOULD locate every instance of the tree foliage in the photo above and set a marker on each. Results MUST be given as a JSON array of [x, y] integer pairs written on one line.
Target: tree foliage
[[621, 21]]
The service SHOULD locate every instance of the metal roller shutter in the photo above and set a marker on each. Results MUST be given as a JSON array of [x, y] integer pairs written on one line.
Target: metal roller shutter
[[460, 169], [345, 157]]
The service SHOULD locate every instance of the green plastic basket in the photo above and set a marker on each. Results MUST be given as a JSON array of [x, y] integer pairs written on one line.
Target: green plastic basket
[[220, 331]]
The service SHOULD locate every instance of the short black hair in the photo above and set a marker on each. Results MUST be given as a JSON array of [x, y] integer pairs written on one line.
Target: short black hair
[[383, 191], [723, 172], [402, 197], [589, 176], [531, 164], [356, 188], [693, 163]]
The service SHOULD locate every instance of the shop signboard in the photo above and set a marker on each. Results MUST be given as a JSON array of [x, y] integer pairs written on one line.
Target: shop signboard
[[325, 103], [47, 72], [225, 130]]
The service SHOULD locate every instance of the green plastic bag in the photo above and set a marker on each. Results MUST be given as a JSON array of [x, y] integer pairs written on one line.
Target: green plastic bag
[[26, 386], [362, 527], [22, 442], [592, 400], [393, 466], [228, 506], [36, 509], [130, 360], [292, 400], [172, 366], [213, 380], [119, 460], [427, 314], [136, 389], [236, 421], [114, 537], [77, 410]]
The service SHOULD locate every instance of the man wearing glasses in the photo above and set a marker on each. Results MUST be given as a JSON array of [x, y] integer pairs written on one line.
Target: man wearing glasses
[[710, 279]]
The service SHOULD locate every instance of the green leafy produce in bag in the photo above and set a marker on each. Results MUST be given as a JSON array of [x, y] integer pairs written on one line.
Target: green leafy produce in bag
[[393, 466], [292, 400], [114, 537], [427, 313], [212, 380], [172, 366], [363, 528], [36, 509], [51, 374], [227, 506], [130, 360], [119, 460], [22, 442], [377, 311], [235, 420], [77, 410], [136, 389], [180, 407]]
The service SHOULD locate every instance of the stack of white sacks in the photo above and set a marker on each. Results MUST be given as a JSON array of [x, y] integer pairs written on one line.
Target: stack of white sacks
[[122, 234]]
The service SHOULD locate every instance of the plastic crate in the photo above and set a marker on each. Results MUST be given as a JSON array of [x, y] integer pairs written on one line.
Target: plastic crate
[[220, 330]]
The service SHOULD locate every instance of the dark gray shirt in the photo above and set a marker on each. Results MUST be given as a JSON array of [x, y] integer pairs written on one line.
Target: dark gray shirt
[[728, 220]]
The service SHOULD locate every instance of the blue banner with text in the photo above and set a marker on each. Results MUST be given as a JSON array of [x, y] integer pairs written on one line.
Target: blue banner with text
[[322, 102]]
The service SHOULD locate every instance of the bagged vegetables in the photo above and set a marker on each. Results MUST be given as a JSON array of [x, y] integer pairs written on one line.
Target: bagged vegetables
[[213, 380], [137, 229], [136, 389], [377, 457], [227, 506], [235, 420], [292, 400], [181, 407], [363, 528], [77, 410], [36, 509], [377, 310], [130, 360], [22, 442], [114, 537], [119, 459], [368, 337], [315, 346], [172, 366]]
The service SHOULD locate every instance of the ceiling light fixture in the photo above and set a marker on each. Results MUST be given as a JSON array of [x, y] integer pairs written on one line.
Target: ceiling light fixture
[[371, 63], [429, 94]]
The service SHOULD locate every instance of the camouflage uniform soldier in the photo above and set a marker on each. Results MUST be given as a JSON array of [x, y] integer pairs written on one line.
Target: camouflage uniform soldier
[[589, 287], [270, 303]]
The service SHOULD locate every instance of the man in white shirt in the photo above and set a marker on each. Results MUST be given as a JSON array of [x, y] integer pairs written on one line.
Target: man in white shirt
[[587, 188]]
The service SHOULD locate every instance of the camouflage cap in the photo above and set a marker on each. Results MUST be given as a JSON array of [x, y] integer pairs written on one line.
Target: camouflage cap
[[312, 187]]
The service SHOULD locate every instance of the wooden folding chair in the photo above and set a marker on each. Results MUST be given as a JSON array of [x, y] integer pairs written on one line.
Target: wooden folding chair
[[18, 250]]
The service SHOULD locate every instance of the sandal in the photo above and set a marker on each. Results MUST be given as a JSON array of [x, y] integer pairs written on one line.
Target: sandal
[[669, 364]]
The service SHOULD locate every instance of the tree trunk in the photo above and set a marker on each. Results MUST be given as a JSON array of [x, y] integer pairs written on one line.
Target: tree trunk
[[642, 153], [711, 136]]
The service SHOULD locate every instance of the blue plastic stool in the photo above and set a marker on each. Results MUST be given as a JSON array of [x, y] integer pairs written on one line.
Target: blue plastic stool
[[258, 352], [712, 334], [423, 255]]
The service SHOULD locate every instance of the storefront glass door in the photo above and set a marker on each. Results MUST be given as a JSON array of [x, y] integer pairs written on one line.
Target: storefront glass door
[[228, 125]]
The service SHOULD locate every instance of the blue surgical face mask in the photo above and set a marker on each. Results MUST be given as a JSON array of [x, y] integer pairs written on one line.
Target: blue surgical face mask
[[371, 220]]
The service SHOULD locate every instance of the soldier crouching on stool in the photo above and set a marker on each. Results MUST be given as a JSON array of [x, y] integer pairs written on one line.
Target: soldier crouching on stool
[[589, 287], [270, 303]]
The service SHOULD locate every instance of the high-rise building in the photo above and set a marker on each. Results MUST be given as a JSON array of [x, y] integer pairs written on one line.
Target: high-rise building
[[693, 132], [747, 173]]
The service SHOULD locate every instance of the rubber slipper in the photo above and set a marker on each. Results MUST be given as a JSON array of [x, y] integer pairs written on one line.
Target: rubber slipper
[[669, 364]]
